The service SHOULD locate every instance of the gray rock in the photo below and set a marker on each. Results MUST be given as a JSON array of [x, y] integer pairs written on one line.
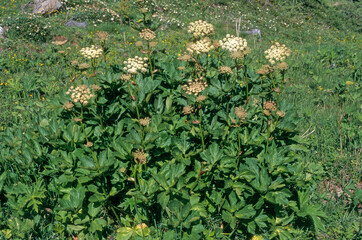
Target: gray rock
[[72, 23], [253, 32], [46, 6]]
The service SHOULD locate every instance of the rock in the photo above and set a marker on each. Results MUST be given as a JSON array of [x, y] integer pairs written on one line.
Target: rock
[[46, 6], [72, 23]]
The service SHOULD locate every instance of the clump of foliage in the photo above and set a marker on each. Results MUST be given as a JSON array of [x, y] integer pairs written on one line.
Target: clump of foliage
[[28, 27], [199, 146]]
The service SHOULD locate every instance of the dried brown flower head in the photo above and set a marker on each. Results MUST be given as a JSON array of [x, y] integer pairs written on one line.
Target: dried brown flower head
[[267, 112], [240, 54], [74, 62], [201, 98], [126, 77], [215, 43], [77, 119], [195, 121], [83, 66], [195, 86], [282, 66], [139, 44], [241, 113], [153, 44], [225, 70], [181, 68], [88, 144], [140, 156], [147, 34], [184, 58], [68, 106], [145, 121], [265, 69], [103, 36], [81, 94], [281, 113], [95, 87], [270, 106], [59, 40], [187, 110]]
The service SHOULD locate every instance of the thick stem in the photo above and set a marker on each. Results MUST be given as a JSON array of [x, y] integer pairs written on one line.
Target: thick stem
[[201, 133], [138, 113]]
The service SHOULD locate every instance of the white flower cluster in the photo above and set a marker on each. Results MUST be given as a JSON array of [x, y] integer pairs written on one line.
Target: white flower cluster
[[133, 65], [81, 94], [201, 46], [200, 28], [233, 44], [91, 52], [277, 53]]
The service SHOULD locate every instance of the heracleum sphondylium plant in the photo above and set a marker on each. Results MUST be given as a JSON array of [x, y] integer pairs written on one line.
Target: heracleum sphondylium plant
[[203, 148]]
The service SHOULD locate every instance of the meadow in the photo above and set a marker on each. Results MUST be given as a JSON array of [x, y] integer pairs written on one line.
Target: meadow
[[167, 120]]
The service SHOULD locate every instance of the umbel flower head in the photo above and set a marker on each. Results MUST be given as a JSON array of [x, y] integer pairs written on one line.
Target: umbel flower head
[[200, 28], [83, 66], [185, 58], [201, 98], [282, 66], [103, 36], [277, 53], [68, 106], [126, 77], [140, 156], [201, 46], [233, 44], [91, 52], [240, 54], [265, 69], [269, 107], [187, 110], [225, 70], [145, 121], [81, 94], [147, 34], [241, 113], [195, 86], [59, 40], [135, 65]]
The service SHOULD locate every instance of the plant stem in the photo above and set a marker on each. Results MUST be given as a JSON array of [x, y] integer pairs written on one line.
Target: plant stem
[[138, 114], [202, 135]]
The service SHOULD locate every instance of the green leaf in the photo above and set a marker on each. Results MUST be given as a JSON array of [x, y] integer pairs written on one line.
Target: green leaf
[[158, 104], [313, 211], [169, 101], [75, 227], [163, 198], [246, 213], [97, 225], [76, 197], [124, 233], [229, 218], [92, 210], [212, 154]]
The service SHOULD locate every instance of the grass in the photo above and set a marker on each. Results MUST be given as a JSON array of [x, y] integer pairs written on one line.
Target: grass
[[324, 81]]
